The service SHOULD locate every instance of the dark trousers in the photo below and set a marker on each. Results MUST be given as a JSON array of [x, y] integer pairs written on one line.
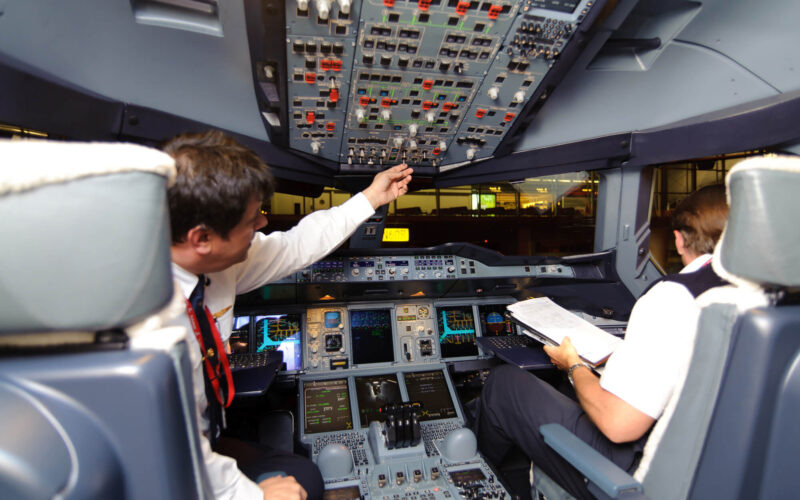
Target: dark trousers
[[514, 403], [255, 460]]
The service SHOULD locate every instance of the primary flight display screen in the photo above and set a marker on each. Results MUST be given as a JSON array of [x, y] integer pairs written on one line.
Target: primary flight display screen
[[327, 406], [372, 393], [240, 336], [430, 390], [456, 331], [493, 321], [281, 332], [371, 333]]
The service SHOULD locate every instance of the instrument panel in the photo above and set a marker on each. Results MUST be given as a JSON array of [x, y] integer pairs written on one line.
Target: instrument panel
[[335, 337]]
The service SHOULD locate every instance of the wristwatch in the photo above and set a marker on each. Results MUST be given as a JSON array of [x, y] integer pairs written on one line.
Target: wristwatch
[[572, 369]]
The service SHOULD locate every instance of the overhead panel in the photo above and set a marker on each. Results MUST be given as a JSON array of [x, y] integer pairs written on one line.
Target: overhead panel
[[428, 82]]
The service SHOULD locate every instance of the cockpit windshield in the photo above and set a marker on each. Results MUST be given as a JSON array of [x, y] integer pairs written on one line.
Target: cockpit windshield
[[548, 215]]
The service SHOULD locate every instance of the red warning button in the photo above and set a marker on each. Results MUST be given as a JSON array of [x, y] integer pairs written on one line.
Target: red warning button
[[310, 118], [509, 117], [311, 78], [461, 8], [427, 84], [330, 126], [495, 11], [480, 113]]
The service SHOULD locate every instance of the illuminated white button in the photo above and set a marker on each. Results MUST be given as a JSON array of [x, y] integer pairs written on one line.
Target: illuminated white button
[[470, 153], [519, 96], [386, 114], [442, 146], [356, 272], [430, 116], [315, 147], [344, 6], [323, 8], [302, 5], [412, 130], [493, 93], [360, 115]]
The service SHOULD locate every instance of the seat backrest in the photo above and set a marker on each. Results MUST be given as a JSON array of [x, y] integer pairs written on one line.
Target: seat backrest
[[88, 411], [709, 433]]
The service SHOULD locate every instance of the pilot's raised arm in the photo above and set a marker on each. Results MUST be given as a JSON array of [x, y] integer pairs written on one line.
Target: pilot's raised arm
[[615, 412], [217, 253]]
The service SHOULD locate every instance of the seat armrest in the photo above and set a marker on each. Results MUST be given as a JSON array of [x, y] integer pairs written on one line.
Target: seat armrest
[[600, 471]]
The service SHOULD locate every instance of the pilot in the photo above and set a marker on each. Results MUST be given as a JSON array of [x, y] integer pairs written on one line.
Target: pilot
[[615, 412], [217, 253]]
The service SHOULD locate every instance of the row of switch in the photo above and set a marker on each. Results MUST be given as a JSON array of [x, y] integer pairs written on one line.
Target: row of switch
[[310, 47]]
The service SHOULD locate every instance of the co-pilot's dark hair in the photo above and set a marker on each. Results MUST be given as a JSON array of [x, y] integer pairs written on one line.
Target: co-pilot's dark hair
[[701, 217], [217, 178]]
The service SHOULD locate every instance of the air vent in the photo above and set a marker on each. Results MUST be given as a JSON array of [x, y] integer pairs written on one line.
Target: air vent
[[199, 16]]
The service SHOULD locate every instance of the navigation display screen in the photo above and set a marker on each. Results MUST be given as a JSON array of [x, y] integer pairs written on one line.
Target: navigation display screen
[[240, 336], [430, 389], [327, 406], [493, 321], [283, 333], [371, 332], [373, 393], [456, 331]]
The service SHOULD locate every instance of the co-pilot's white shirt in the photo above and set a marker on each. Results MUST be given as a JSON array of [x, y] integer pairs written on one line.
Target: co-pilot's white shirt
[[270, 257], [645, 368]]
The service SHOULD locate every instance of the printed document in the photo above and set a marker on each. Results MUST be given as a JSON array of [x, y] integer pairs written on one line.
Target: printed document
[[549, 323]]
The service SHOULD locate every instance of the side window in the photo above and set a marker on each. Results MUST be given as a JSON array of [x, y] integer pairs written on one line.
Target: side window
[[673, 183]]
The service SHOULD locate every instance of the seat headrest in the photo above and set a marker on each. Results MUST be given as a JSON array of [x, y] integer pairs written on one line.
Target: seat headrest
[[761, 242], [86, 235]]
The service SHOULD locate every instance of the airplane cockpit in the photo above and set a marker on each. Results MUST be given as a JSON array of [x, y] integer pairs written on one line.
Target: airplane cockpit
[[550, 141]]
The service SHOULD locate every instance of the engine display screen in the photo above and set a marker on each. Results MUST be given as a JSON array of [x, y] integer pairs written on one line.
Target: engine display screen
[[327, 406], [371, 333]]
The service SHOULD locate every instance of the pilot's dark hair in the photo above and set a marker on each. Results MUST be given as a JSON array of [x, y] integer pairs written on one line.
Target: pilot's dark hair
[[701, 217], [217, 178]]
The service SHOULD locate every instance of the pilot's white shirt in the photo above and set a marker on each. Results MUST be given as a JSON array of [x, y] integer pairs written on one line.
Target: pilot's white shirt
[[645, 368], [270, 257]]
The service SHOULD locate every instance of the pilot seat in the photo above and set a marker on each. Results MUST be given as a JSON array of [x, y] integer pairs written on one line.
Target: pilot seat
[[730, 429], [96, 389]]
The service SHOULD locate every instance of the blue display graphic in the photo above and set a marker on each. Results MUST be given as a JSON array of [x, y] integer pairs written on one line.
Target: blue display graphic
[[493, 321], [456, 331], [333, 319], [283, 333]]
